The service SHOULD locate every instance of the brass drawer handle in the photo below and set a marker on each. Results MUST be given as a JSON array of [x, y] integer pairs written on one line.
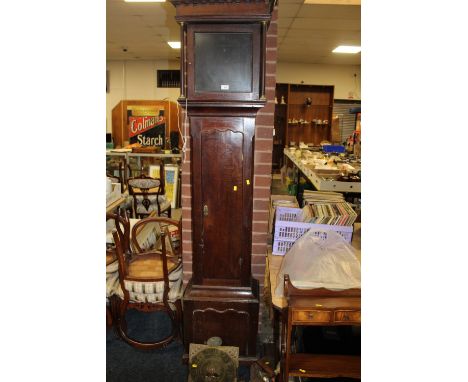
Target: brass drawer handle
[[345, 317], [311, 315]]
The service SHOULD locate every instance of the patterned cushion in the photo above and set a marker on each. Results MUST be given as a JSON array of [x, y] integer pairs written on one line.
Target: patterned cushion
[[144, 183], [141, 291], [112, 279], [163, 202]]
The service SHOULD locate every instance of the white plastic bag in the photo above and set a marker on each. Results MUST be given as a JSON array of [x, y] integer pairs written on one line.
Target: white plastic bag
[[320, 259]]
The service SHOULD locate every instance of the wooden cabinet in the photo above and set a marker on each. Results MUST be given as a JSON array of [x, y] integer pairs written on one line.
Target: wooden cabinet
[[318, 307], [223, 87], [303, 113]]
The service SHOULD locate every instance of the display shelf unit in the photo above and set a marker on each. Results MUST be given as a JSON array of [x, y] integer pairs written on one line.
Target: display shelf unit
[[305, 117], [280, 124]]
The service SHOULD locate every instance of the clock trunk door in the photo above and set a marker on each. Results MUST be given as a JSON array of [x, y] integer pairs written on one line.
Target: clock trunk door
[[224, 164]]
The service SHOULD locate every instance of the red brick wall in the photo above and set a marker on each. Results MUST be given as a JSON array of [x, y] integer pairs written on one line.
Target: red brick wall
[[263, 153], [262, 173]]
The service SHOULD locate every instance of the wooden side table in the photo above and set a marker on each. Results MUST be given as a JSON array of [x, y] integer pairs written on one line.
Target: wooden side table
[[319, 307]]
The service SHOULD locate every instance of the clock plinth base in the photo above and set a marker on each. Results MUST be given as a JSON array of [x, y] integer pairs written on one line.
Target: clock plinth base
[[230, 313]]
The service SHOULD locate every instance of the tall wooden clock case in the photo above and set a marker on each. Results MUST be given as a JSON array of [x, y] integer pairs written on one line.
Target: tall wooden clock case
[[222, 87]]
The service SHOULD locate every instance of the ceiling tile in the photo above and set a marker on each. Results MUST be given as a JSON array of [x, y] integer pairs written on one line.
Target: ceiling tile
[[288, 10], [350, 12], [285, 22], [306, 33], [337, 24]]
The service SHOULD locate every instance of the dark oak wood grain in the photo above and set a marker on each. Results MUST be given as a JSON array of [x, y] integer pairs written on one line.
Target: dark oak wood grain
[[318, 307], [324, 366], [222, 298]]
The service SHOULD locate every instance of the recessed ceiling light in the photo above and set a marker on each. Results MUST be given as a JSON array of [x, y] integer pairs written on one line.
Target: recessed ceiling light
[[347, 49], [174, 44], [145, 1]]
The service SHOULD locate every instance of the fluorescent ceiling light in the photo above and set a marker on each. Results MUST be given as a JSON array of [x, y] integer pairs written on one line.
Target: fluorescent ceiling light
[[174, 44], [334, 2], [145, 1], [347, 49]]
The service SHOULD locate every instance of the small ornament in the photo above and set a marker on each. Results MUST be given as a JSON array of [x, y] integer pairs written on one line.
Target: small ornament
[[283, 102]]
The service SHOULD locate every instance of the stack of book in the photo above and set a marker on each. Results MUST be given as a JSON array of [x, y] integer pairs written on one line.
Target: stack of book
[[311, 197], [280, 201], [340, 214]]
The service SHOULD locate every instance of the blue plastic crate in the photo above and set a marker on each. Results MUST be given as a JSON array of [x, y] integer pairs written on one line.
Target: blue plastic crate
[[333, 149]]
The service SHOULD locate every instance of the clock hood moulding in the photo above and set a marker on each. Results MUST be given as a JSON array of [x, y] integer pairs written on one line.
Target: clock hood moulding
[[223, 10]]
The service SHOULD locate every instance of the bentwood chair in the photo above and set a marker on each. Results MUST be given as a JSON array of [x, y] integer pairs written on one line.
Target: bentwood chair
[[121, 225], [149, 195], [150, 280]]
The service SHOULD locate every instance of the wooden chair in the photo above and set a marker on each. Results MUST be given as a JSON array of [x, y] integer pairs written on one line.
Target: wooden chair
[[150, 281], [121, 178], [149, 195], [121, 225]]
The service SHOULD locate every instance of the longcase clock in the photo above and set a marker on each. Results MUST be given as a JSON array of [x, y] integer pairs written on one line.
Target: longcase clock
[[222, 87]]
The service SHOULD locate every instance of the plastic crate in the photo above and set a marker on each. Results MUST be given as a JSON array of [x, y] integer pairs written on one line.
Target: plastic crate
[[289, 228], [333, 149], [273, 199]]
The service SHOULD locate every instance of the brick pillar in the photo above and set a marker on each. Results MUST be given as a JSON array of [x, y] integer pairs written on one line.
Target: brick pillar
[[262, 173], [186, 207], [263, 157]]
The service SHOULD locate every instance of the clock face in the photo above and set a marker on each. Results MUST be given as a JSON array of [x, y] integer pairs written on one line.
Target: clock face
[[223, 62], [212, 365]]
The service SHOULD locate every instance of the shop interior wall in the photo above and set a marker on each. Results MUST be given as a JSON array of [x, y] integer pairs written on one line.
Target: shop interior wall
[[345, 78], [137, 80]]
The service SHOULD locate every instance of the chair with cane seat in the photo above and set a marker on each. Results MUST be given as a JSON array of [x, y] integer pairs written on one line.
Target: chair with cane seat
[[150, 280], [121, 225]]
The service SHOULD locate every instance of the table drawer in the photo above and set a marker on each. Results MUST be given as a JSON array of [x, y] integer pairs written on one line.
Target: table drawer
[[348, 316], [311, 316]]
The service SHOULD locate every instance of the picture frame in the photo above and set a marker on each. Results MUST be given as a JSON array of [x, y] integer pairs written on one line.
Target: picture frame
[[171, 182]]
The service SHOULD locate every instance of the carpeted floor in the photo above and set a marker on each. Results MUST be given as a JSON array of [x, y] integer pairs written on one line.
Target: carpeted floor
[[127, 364]]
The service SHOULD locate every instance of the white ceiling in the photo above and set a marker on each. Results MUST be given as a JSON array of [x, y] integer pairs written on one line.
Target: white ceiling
[[306, 33]]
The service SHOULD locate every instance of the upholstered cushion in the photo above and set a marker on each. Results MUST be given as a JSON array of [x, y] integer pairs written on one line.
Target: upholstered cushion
[[144, 183], [112, 278], [163, 202], [145, 267]]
